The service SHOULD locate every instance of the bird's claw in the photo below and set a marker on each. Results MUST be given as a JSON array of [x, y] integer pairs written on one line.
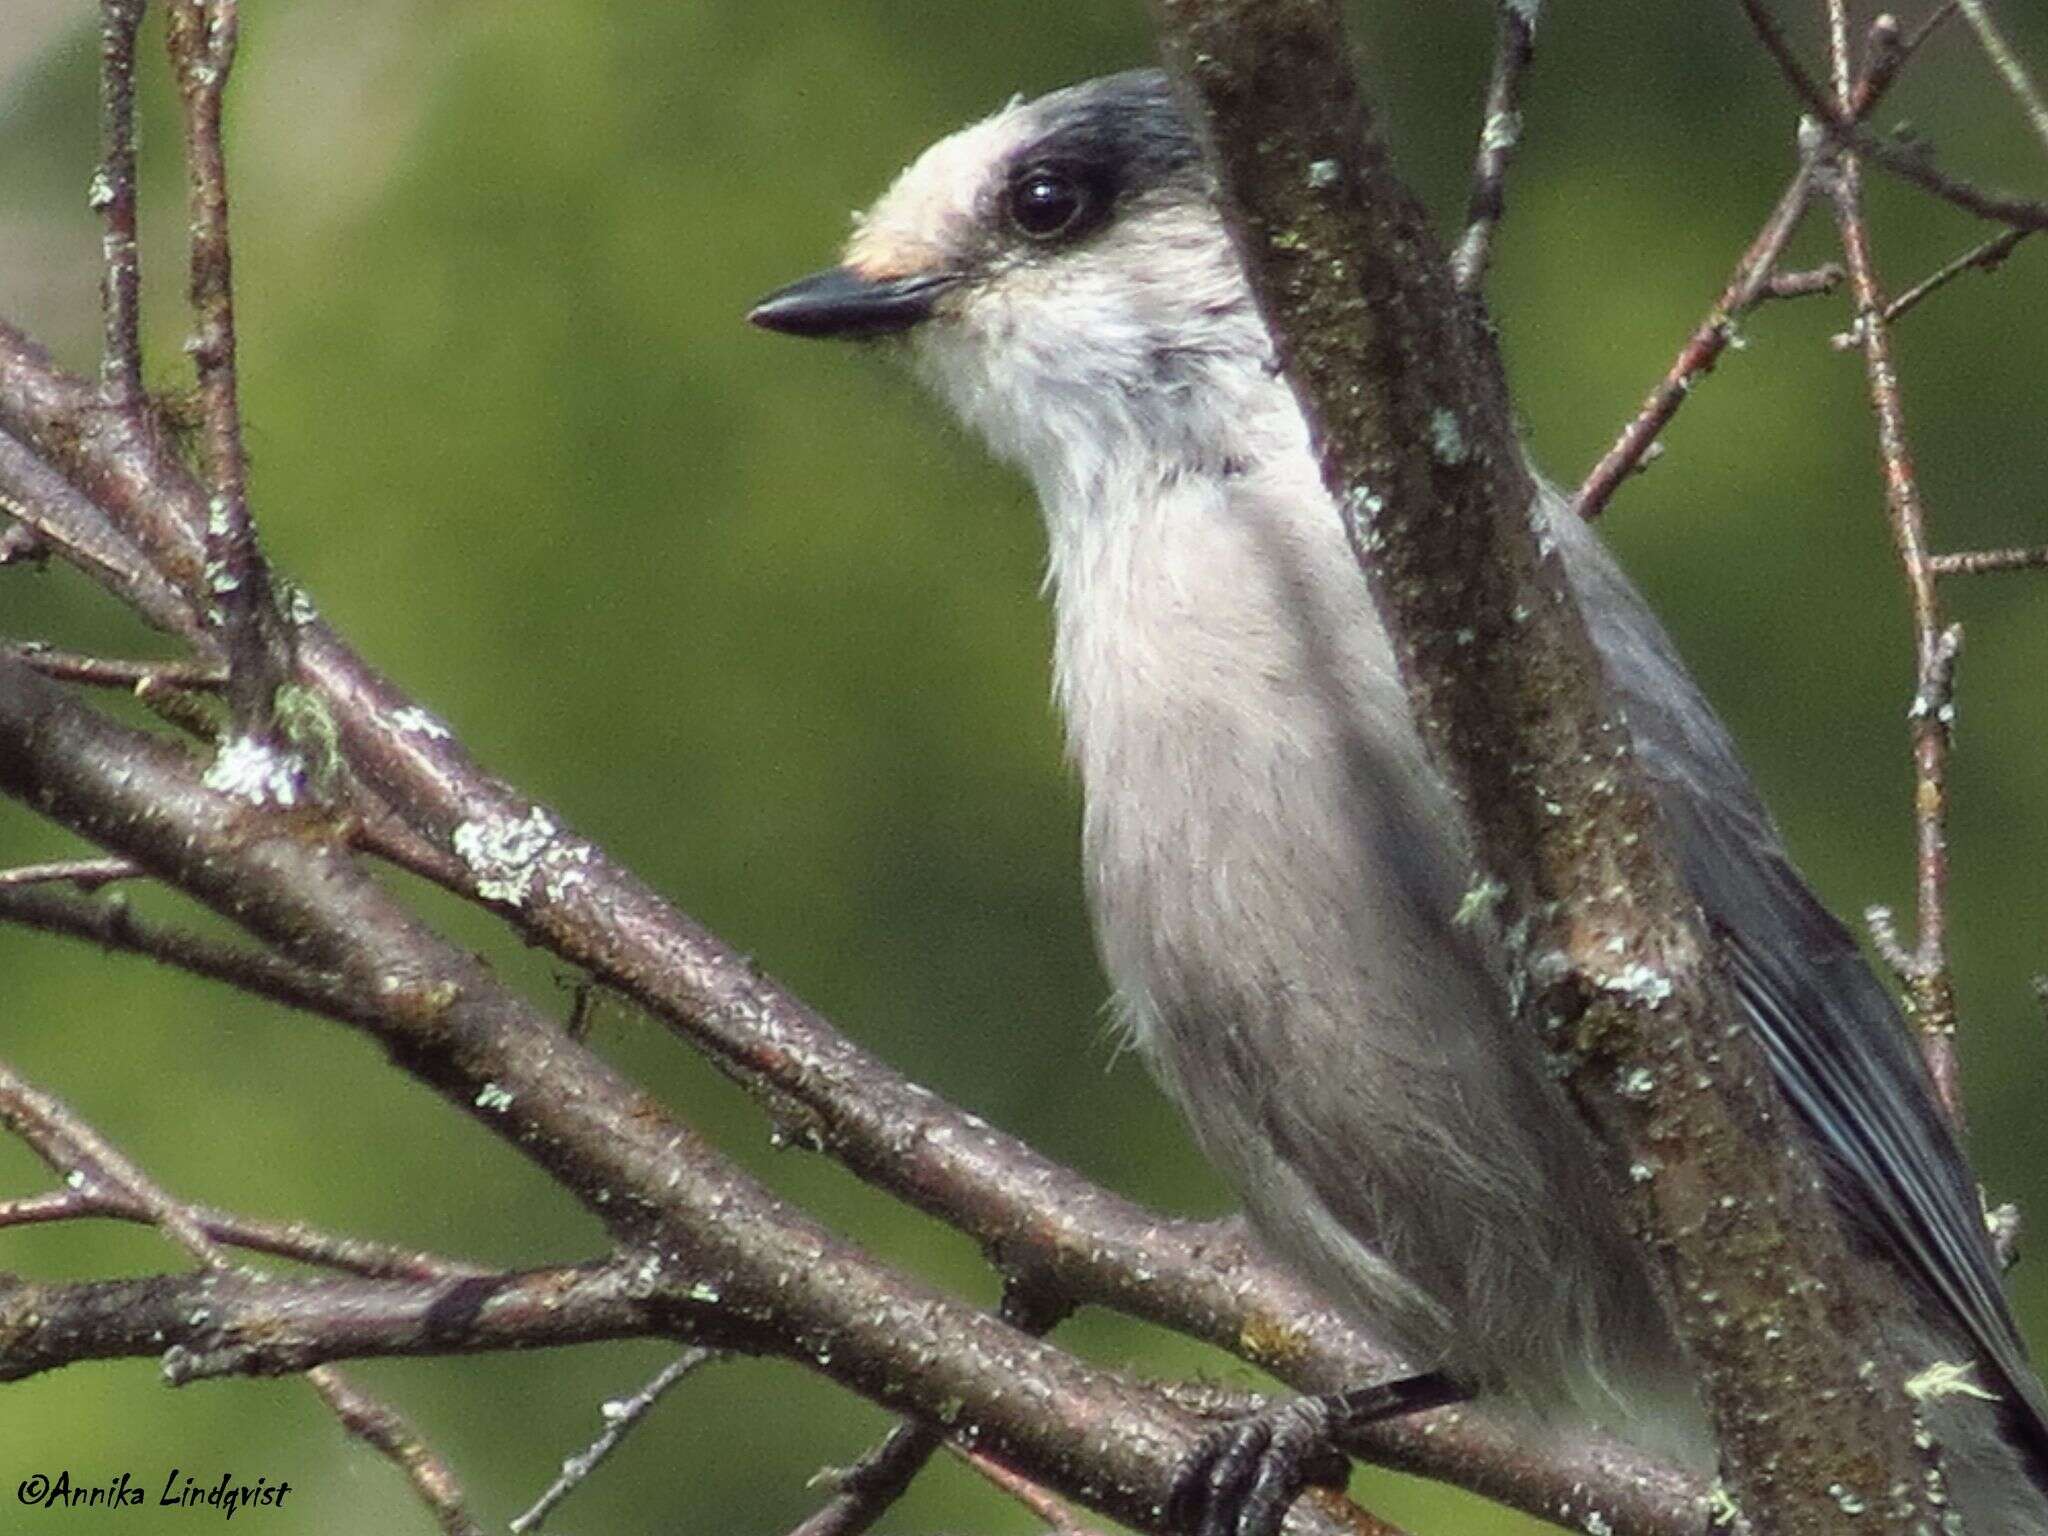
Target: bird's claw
[[1243, 1476]]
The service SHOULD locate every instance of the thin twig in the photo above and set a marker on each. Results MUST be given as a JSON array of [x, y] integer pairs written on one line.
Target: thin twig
[[1932, 23], [1500, 134], [113, 194], [386, 1430], [201, 36], [2009, 66], [1746, 285], [113, 925], [620, 1416], [863, 1492], [1987, 257], [1929, 982], [1755, 278], [63, 518], [164, 686], [1811, 283], [281, 1239], [1042, 1502], [86, 874], [119, 672], [1908, 162], [1978, 561], [1888, 53], [81, 1155]]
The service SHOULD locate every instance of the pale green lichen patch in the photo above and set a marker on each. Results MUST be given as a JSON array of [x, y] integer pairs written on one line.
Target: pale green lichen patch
[[418, 722], [493, 1098], [1948, 1378], [1722, 1510], [1636, 1083], [1639, 983], [1447, 437], [505, 857], [1479, 901], [253, 770], [307, 724]]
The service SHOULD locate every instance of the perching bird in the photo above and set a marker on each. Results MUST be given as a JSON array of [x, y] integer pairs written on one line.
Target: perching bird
[[1276, 870]]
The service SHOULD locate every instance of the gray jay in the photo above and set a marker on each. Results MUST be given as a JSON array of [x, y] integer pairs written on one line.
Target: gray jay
[[1276, 871]]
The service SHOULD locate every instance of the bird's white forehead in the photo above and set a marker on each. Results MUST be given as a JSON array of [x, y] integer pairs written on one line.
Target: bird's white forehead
[[928, 215]]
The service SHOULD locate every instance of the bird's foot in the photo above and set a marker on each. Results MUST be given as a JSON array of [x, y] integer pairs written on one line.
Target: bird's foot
[[1245, 1474]]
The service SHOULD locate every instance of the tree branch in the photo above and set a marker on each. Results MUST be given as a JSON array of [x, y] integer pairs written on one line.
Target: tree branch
[[1747, 285], [1500, 134], [1928, 979], [201, 37], [1034, 1216], [651, 1180], [71, 1147], [1907, 162], [283, 1239], [2010, 69], [1406, 399]]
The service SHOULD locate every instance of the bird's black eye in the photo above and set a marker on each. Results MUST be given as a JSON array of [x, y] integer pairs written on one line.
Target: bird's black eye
[[1046, 203]]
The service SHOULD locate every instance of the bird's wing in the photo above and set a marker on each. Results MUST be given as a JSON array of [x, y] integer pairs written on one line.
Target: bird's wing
[[1833, 1038]]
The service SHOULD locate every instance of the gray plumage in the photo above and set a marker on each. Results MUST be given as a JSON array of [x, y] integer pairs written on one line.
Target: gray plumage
[[1276, 871]]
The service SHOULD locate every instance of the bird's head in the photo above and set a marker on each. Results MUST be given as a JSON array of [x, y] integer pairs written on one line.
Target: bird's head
[[1063, 279]]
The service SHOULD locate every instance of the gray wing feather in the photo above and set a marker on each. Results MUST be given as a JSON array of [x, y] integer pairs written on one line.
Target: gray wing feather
[[1833, 1038]]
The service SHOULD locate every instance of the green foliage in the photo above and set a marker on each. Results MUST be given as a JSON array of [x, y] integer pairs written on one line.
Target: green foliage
[[750, 614]]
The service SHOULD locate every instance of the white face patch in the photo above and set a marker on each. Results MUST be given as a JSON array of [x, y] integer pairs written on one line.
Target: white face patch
[[929, 219]]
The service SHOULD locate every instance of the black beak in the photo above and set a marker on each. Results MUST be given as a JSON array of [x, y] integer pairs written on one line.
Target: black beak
[[841, 303]]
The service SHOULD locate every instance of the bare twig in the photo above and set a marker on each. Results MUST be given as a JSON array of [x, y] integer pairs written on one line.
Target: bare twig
[[620, 1416], [1888, 53], [66, 520], [85, 874], [1746, 286], [113, 194], [1987, 257], [72, 1148], [707, 1226], [1755, 278], [1059, 1519], [113, 672], [1500, 134], [1929, 982], [1811, 283], [1978, 561], [1908, 162], [862, 1492], [282, 1239], [214, 1324], [2009, 66], [201, 36], [390, 1433], [113, 925]]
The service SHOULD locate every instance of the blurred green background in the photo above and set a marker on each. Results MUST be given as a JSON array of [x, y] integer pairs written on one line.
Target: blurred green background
[[753, 615]]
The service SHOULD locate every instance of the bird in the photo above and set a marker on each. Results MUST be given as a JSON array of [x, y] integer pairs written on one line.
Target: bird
[[1279, 876]]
